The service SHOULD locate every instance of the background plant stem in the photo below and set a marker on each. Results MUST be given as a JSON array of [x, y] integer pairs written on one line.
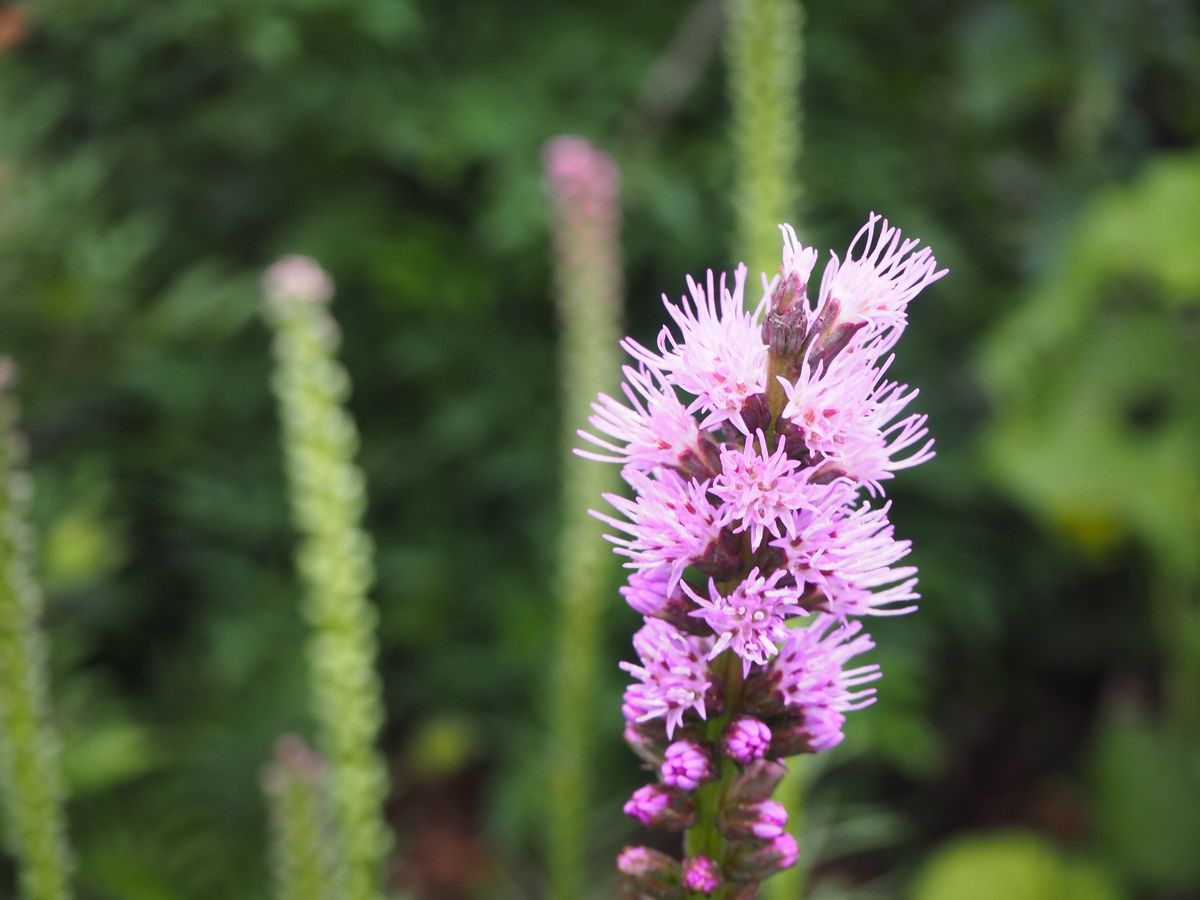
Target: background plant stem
[[588, 275], [295, 787], [29, 756], [334, 560]]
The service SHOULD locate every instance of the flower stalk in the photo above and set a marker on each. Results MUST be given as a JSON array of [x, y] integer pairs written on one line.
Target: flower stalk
[[29, 752], [765, 58], [334, 561], [753, 554], [296, 790], [583, 184]]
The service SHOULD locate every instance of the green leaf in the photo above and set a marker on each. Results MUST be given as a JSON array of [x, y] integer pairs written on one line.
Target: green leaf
[[1009, 866], [1146, 782]]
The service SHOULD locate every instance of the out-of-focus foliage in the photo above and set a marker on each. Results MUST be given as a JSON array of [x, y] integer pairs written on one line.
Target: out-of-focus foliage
[[153, 157], [1115, 328], [1012, 866], [31, 795], [1146, 782]]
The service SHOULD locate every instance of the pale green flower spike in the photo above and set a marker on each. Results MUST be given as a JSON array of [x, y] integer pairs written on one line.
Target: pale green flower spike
[[296, 789], [764, 53], [583, 185], [334, 561], [29, 755]]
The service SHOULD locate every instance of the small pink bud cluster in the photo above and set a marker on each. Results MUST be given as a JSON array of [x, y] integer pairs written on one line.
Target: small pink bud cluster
[[757, 443]]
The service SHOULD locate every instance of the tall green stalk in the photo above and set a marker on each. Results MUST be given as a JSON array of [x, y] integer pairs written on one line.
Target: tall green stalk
[[334, 561], [764, 55], [583, 186], [296, 792], [29, 757]]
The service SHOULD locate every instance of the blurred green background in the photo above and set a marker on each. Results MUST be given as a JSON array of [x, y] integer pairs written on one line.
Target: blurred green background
[[1036, 732]]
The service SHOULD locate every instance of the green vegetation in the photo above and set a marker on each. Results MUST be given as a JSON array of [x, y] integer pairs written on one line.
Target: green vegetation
[[155, 158], [29, 754]]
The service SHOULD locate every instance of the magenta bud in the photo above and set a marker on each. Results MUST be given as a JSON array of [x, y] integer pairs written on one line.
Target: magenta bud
[[723, 557], [813, 731], [752, 862], [686, 765], [830, 333], [784, 331], [746, 739], [647, 594], [762, 697], [761, 821], [701, 875], [757, 782], [649, 873], [656, 806], [756, 412]]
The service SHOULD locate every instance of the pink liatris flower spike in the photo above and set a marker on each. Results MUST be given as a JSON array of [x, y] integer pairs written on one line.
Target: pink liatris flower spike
[[758, 437]]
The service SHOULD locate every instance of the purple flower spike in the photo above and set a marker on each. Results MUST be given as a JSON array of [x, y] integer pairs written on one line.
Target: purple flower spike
[[758, 433], [746, 739], [687, 764], [701, 875]]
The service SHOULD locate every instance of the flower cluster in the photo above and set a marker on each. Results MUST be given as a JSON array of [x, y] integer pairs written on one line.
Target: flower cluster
[[757, 442]]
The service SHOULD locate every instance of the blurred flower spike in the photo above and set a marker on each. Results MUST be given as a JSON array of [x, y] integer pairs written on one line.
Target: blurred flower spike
[[581, 176], [750, 435], [296, 277]]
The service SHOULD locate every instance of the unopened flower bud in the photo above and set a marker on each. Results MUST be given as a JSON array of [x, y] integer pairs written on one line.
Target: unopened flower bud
[[656, 806], [647, 593], [762, 696], [761, 821], [746, 739], [703, 462], [794, 444], [649, 873], [701, 875], [753, 862], [812, 731], [786, 325], [756, 413], [687, 765], [830, 333], [757, 782], [723, 557], [299, 278]]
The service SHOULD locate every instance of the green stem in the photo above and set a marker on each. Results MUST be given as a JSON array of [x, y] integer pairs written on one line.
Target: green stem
[[295, 787], [29, 758], [334, 560], [764, 45], [583, 185], [704, 837]]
